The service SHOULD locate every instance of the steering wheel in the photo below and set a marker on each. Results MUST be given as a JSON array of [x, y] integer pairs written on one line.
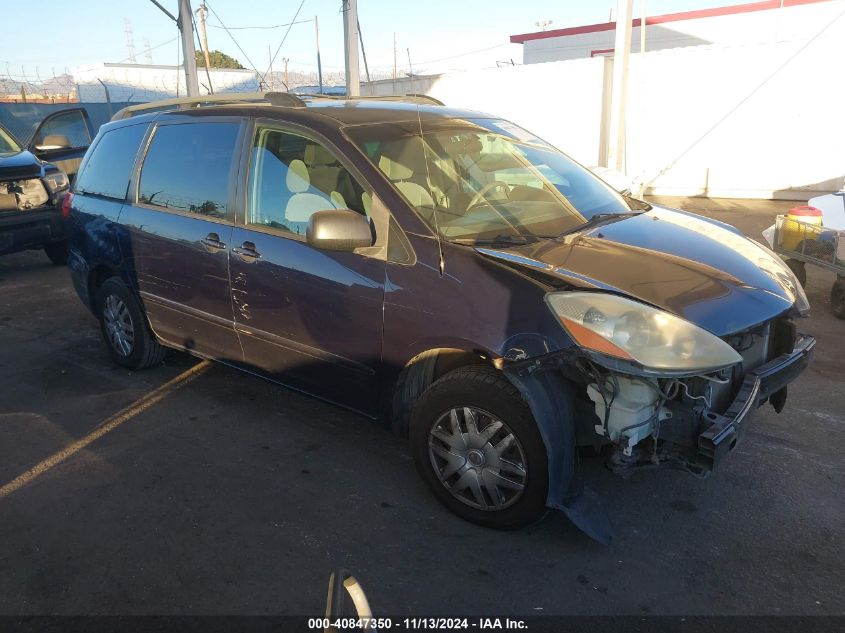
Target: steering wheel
[[482, 194]]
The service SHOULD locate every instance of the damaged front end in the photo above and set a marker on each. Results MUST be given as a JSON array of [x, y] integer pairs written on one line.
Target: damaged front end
[[693, 422], [24, 194], [650, 389]]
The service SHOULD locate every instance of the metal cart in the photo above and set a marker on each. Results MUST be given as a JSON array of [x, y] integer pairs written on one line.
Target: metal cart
[[800, 243]]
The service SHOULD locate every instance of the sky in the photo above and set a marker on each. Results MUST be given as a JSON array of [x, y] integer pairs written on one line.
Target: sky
[[440, 35]]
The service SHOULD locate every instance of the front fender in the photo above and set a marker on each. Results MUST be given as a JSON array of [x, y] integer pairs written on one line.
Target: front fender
[[552, 401]]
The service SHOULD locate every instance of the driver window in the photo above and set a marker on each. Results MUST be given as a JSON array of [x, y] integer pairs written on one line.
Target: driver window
[[291, 177]]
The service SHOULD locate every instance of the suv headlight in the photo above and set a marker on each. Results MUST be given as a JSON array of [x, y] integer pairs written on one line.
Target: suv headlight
[[627, 330]]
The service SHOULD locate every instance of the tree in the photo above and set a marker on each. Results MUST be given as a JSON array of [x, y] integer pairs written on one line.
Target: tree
[[218, 60]]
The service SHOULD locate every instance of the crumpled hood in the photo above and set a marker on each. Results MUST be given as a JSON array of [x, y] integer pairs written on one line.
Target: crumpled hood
[[19, 165], [703, 271]]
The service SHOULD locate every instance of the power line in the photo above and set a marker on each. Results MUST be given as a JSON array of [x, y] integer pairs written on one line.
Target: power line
[[217, 17], [480, 50], [296, 15], [274, 26]]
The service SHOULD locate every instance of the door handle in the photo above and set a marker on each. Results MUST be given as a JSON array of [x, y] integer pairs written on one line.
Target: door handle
[[212, 243], [247, 252]]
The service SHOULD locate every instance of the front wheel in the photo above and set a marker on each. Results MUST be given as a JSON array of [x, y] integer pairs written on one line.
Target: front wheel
[[475, 443], [124, 327]]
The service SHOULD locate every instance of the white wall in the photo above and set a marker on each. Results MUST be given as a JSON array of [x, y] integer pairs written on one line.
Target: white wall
[[763, 121], [758, 121], [559, 102]]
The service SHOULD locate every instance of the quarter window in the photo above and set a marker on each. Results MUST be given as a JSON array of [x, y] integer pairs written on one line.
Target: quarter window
[[292, 177], [107, 170], [187, 168]]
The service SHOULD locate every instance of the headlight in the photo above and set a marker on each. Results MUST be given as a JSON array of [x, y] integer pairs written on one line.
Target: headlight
[[631, 331], [56, 181], [802, 304]]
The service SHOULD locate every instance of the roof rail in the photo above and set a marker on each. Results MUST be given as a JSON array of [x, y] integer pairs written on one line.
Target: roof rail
[[285, 99], [406, 98]]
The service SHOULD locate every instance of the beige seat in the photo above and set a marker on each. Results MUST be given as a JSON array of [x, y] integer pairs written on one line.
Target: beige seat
[[323, 168], [304, 202], [401, 165]]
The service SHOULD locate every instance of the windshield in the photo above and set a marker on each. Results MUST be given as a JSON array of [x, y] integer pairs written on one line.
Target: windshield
[[486, 179], [7, 143]]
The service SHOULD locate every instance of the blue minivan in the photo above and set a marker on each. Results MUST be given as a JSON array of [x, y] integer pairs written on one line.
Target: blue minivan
[[443, 271]]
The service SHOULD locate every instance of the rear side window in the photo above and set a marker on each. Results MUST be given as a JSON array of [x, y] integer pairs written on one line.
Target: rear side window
[[187, 168], [108, 169]]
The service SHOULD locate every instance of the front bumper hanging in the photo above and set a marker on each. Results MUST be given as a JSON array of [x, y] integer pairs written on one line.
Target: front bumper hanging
[[760, 384]]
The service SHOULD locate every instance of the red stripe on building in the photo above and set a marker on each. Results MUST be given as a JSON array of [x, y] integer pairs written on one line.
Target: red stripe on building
[[663, 19]]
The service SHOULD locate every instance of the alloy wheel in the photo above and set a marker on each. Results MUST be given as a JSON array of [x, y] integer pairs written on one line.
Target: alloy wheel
[[119, 327]]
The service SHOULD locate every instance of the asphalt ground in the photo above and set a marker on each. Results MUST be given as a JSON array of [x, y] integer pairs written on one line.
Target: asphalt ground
[[207, 491]]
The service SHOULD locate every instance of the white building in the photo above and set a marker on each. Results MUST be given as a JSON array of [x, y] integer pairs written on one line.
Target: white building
[[758, 22], [148, 82]]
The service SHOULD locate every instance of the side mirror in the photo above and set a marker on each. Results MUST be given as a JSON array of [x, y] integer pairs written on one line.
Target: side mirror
[[54, 141], [338, 230]]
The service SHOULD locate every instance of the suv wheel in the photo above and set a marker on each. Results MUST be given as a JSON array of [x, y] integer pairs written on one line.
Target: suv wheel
[[476, 444], [57, 252], [124, 327]]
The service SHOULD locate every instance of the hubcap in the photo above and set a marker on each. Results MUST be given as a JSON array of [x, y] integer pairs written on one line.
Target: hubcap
[[118, 322], [477, 458]]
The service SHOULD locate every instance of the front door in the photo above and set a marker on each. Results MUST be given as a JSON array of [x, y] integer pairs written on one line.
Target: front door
[[179, 233], [311, 319]]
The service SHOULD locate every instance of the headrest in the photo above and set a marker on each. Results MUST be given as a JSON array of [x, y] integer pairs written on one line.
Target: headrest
[[402, 159], [393, 170], [297, 177], [317, 155], [57, 141]]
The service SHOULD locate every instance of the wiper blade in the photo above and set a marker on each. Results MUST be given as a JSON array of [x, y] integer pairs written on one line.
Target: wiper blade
[[598, 219], [499, 239]]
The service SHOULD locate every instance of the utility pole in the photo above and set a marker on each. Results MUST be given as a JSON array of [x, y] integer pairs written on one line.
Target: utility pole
[[642, 26], [350, 40], [268, 83], [189, 55], [286, 60], [319, 63], [619, 93], [202, 14], [394, 55]]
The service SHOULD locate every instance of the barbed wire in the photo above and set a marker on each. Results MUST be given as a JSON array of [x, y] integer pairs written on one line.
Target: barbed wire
[[142, 83]]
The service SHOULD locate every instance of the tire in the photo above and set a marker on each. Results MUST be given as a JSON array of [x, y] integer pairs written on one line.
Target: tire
[[799, 269], [837, 298], [490, 398], [57, 252], [120, 315]]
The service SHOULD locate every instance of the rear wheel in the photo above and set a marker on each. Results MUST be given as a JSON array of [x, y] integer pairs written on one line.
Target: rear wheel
[[799, 269], [837, 298], [57, 252], [475, 443], [124, 327]]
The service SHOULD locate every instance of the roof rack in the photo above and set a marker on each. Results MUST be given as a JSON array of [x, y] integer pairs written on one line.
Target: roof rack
[[406, 98], [285, 99]]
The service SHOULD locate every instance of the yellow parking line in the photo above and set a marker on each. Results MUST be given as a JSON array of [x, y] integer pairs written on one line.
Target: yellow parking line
[[139, 406]]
